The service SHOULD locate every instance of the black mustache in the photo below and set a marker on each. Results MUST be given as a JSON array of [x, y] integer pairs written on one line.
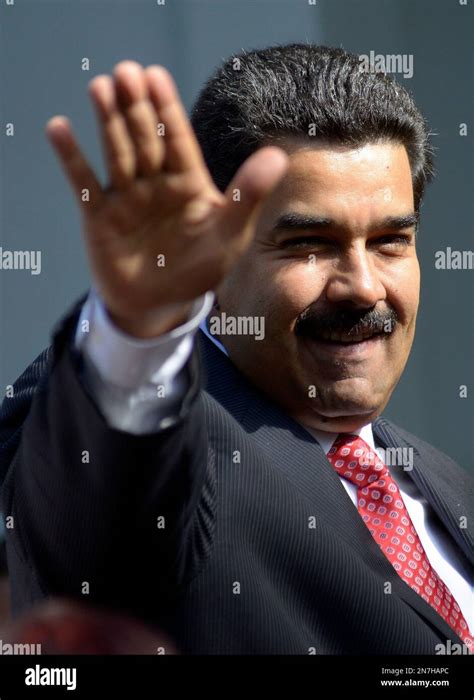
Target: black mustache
[[313, 323]]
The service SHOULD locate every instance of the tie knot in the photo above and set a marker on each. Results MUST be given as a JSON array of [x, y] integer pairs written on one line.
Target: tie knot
[[353, 459]]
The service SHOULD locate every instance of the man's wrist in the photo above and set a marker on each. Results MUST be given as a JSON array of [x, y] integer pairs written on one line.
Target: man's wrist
[[130, 362], [155, 324]]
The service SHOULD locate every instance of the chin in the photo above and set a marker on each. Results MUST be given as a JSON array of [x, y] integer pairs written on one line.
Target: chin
[[343, 423], [343, 411], [347, 413]]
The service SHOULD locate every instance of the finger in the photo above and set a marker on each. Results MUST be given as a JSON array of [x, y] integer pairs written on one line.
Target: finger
[[81, 177], [140, 116], [182, 151], [119, 151], [254, 181]]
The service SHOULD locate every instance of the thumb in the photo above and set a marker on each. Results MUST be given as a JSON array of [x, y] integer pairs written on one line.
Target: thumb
[[252, 183]]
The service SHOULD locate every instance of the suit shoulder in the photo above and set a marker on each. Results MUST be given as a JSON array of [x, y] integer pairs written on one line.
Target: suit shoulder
[[425, 449], [26, 385]]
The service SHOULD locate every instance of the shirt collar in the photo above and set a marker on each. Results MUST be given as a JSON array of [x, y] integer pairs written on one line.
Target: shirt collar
[[205, 330]]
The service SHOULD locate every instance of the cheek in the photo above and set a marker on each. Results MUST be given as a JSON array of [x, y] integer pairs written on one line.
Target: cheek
[[294, 286], [403, 291]]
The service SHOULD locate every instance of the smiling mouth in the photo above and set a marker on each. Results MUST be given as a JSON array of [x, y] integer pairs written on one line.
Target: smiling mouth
[[332, 338]]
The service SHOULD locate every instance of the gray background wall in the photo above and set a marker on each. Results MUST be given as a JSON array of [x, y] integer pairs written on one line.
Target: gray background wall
[[42, 45]]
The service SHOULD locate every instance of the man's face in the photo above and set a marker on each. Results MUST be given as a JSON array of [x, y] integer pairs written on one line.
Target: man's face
[[333, 260]]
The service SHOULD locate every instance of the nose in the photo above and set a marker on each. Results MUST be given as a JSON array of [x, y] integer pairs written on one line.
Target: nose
[[355, 280]]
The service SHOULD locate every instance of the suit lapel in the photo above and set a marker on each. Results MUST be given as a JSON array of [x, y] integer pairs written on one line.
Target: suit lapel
[[297, 455], [446, 488]]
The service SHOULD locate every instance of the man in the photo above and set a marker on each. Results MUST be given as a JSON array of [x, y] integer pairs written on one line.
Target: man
[[236, 484]]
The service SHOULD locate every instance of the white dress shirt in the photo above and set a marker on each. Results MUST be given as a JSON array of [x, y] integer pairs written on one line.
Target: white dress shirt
[[139, 385]]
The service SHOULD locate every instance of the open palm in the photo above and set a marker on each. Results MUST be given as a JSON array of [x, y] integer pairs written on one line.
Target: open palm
[[160, 233]]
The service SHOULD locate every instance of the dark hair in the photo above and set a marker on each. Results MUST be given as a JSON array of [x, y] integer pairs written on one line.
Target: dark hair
[[259, 96]]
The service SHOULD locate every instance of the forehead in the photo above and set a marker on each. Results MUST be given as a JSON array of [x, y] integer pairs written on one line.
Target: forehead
[[343, 182]]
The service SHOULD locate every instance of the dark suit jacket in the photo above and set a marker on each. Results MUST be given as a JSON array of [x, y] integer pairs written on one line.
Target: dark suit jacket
[[262, 550]]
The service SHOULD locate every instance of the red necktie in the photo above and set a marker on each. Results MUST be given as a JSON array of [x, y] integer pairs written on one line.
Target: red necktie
[[381, 506]]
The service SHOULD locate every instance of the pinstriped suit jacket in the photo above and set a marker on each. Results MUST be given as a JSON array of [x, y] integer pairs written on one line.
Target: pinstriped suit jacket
[[229, 529]]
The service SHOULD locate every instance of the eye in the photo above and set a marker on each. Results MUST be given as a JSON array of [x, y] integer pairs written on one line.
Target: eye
[[394, 240], [304, 242]]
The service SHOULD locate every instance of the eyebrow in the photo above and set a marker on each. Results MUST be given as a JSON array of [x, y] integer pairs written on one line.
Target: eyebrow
[[292, 221]]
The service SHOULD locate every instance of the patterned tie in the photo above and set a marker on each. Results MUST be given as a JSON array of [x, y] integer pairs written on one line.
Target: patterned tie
[[381, 506]]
